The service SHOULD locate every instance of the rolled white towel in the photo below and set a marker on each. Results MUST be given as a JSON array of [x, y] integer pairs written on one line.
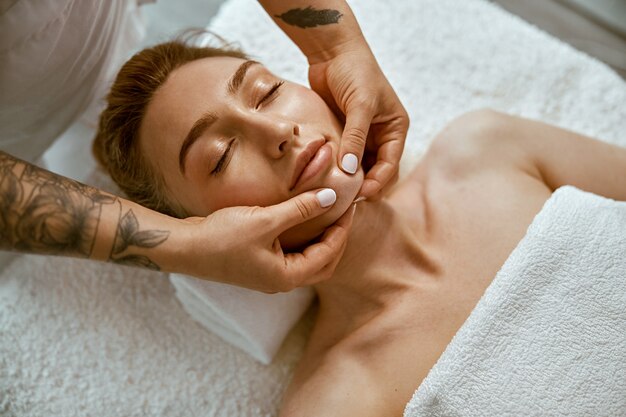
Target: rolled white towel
[[255, 322]]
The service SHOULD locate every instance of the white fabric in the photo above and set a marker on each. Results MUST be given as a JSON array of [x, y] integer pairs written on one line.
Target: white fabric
[[56, 59], [548, 337], [253, 321], [79, 338]]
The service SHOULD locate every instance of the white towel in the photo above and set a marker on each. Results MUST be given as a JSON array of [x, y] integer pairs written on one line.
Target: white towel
[[80, 338], [548, 337], [255, 322]]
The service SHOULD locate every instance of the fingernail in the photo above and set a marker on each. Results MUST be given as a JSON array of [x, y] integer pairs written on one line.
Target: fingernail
[[350, 163], [359, 199], [326, 197]]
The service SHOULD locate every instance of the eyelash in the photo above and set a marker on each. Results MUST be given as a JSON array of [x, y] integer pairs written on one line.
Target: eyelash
[[220, 164], [272, 91]]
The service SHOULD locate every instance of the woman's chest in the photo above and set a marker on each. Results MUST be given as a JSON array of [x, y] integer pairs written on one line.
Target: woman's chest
[[464, 231], [477, 222], [473, 226]]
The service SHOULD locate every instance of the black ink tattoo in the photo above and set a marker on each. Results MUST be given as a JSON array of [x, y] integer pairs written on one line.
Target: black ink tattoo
[[57, 217], [310, 17], [128, 234], [45, 213]]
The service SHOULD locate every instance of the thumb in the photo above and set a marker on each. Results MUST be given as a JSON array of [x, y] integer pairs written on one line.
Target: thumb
[[301, 208], [354, 137]]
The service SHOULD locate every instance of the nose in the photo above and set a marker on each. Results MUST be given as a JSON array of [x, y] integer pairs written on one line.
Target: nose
[[274, 135]]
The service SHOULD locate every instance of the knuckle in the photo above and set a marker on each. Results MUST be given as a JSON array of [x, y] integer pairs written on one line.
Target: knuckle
[[305, 210], [366, 103], [405, 121], [266, 217], [357, 135]]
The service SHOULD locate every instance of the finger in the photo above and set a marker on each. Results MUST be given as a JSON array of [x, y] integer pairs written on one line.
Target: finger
[[386, 167], [391, 184], [354, 137], [342, 228], [375, 191], [325, 273], [318, 261], [376, 179], [300, 209]]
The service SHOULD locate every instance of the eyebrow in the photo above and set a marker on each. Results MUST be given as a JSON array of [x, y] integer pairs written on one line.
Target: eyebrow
[[237, 79], [208, 118]]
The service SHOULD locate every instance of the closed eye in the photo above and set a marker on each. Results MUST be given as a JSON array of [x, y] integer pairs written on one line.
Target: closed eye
[[221, 164], [271, 93]]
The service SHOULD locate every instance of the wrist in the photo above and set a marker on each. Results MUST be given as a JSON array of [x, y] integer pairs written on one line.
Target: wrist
[[177, 253], [193, 248], [131, 234], [326, 51], [322, 30]]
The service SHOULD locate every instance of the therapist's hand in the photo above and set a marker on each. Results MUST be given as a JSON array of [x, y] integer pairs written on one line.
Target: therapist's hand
[[351, 82], [243, 246]]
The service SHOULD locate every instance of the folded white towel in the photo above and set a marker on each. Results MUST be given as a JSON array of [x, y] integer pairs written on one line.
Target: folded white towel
[[253, 321], [548, 337]]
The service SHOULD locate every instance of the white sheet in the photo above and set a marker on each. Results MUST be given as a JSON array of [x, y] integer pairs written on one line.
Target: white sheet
[[78, 338]]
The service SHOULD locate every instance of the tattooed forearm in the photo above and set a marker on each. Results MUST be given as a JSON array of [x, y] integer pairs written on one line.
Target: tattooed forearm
[[128, 234], [45, 213], [310, 17]]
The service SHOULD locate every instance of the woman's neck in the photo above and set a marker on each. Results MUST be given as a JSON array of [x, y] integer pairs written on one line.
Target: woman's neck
[[384, 257]]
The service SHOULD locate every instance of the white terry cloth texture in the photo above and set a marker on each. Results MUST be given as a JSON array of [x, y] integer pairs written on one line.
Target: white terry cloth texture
[[548, 337], [253, 321], [79, 338]]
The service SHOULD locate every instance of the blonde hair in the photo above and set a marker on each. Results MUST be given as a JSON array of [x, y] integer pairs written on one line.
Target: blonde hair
[[116, 145]]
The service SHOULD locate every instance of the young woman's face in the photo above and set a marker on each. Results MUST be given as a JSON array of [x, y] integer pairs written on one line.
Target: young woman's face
[[226, 132]]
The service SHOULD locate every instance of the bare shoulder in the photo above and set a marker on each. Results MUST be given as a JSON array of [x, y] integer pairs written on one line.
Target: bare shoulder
[[479, 141], [482, 140], [336, 385]]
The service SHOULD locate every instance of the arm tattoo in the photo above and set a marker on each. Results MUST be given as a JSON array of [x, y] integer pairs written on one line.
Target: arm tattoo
[[310, 17], [57, 216], [128, 234], [45, 213]]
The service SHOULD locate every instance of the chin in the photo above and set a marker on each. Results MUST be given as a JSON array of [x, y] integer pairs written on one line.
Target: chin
[[347, 187]]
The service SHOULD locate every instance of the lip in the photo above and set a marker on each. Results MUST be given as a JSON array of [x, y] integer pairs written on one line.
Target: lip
[[301, 174]]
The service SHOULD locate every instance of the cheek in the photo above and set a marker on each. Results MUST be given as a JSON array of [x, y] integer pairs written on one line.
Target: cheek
[[246, 189], [302, 101]]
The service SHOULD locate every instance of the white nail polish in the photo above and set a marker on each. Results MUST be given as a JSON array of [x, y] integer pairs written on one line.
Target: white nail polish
[[326, 197], [350, 163]]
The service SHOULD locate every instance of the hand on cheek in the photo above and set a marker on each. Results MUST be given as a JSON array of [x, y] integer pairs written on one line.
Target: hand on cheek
[[346, 187]]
